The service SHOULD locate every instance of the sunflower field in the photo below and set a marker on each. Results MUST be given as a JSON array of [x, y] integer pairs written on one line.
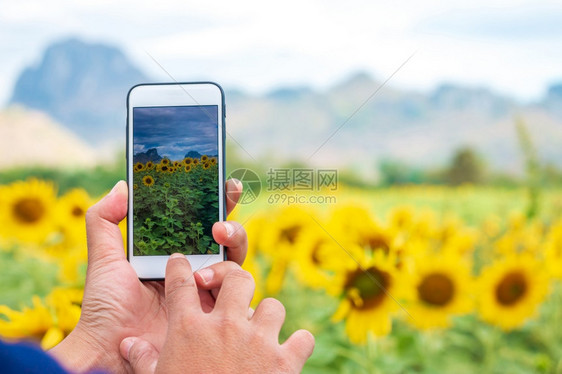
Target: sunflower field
[[175, 206], [421, 279]]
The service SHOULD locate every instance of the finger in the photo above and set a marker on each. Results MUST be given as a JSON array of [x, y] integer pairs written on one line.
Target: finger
[[300, 346], [270, 315], [211, 298], [207, 300], [142, 355], [235, 294], [233, 191], [104, 236], [213, 276], [232, 235], [180, 287]]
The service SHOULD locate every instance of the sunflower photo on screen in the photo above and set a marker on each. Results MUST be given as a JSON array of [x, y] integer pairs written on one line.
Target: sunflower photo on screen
[[175, 181]]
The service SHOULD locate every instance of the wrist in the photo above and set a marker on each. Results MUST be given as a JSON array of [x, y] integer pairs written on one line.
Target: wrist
[[80, 353]]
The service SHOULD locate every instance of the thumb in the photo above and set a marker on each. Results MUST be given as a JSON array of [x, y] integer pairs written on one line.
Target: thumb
[[104, 236], [142, 355]]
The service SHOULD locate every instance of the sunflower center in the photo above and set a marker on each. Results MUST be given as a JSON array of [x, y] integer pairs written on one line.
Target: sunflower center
[[315, 253], [77, 211], [436, 289], [376, 241], [290, 233], [28, 210], [148, 180], [402, 220], [511, 288], [367, 289]]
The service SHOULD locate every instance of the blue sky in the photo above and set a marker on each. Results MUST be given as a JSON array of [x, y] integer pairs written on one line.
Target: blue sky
[[174, 131], [511, 46]]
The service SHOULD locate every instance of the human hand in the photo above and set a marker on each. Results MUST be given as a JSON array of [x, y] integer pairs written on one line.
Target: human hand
[[224, 339], [116, 303]]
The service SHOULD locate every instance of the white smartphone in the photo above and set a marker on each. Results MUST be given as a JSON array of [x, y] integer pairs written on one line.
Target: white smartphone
[[175, 173]]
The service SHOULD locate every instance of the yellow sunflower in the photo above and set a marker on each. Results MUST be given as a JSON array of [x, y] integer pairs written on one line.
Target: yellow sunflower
[[371, 289], [49, 320], [139, 166], [491, 226], [195, 161], [284, 229], [425, 225], [462, 242], [206, 165], [279, 240], [510, 290], [149, 165], [164, 168], [187, 161], [449, 227], [31, 321], [254, 228], [187, 168], [213, 160], [355, 224], [177, 164], [312, 257], [528, 238], [27, 210], [441, 288], [251, 266], [402, 217], [148, 180], [352, 220], [123, 229], [204, 158], [72, 263], [165, 161], [517, 221], [350, 226], [74, 205], [553, 252], [71, 214]]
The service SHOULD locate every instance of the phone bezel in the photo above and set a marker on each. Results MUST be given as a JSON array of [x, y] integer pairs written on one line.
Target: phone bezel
[[173, 94]]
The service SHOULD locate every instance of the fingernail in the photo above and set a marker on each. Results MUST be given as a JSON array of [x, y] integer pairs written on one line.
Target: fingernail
[[230, 229], [127, 344], [113, 189], [177, 255], [206, 274]]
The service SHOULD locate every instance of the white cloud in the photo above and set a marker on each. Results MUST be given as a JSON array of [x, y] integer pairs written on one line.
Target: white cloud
[[139, 148]]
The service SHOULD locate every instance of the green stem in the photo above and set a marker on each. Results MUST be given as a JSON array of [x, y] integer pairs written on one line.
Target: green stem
[[372, 349], [490, 344]]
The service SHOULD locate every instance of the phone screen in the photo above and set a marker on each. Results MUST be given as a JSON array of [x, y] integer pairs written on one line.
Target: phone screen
[[175, 179]]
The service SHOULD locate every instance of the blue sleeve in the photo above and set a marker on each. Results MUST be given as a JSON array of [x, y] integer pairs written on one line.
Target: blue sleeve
[[27, 358]]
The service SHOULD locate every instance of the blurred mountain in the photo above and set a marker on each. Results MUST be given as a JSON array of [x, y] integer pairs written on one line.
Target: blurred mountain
[[82, 85], [348, 124], [353, 123]]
